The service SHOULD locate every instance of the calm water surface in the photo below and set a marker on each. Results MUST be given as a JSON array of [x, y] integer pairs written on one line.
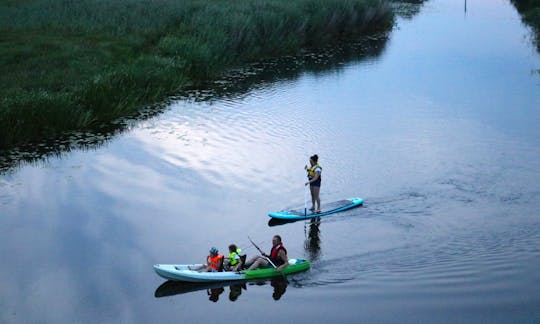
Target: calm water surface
[[438, 129]]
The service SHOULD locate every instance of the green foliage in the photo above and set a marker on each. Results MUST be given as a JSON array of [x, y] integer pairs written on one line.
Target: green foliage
[[530, 13], [68, 64], [146, 79], [38, 114]]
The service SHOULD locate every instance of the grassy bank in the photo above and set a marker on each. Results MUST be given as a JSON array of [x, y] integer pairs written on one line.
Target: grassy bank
[[530, 13], [70, 65]]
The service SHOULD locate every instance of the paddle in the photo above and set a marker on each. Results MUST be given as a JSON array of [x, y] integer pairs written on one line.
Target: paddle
[[262, 253], [305, 201]]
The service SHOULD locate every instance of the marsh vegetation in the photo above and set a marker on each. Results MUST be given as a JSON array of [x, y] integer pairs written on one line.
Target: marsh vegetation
[[72, 65]]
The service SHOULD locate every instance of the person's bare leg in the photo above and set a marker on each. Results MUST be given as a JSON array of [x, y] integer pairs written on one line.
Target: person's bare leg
[[258, 263], [253, 259], [199, 268], [312, 198], [316, 191]]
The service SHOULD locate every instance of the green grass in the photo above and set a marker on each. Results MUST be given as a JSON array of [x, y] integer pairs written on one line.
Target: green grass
[[71, 65]]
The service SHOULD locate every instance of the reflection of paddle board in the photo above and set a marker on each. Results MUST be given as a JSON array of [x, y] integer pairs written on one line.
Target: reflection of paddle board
[[182, 272], [326, 209]]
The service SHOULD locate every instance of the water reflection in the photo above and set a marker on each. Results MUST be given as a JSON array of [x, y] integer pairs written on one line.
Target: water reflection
[[236, 291], [264, 74], [280, 286], [90, 139], [312, 243], [215, 290], [236, 84], [277, 222], [407, 9], [214, 293]]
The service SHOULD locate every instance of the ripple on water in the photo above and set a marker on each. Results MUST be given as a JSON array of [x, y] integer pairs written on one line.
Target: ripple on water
[[247, 132], [481, 260]]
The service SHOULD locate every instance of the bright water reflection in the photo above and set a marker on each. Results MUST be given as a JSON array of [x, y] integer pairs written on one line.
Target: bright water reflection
[[439, 133]]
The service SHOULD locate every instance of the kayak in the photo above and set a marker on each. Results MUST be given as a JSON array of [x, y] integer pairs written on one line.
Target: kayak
[[326, 209], [183, 272]]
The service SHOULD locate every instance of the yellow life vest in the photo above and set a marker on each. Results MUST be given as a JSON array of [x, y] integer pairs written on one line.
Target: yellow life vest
[[311, 170], [232, 256]]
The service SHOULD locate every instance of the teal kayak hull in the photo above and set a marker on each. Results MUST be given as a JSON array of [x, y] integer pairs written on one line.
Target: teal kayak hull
[[182, 272], [328, 209]]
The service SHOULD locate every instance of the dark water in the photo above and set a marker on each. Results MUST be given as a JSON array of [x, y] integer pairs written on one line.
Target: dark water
[[437, 129]]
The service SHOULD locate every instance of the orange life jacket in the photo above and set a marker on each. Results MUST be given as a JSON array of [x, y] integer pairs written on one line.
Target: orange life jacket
[[215, 262]]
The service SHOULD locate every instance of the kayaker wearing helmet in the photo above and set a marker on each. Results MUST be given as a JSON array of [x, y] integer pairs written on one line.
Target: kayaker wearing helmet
[[214, 262], [278, 256], [314, 177]]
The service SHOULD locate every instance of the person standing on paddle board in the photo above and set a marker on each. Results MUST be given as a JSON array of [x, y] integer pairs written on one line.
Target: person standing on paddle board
[[277, 257], [314, 177]]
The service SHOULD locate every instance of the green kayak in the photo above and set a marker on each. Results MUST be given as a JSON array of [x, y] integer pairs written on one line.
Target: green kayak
[[183, 272], [295, 265]]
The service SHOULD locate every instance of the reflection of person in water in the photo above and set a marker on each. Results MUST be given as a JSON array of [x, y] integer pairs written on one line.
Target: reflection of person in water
[[280, 286], [236, 291], [312, 243], [171, 288], [214, 293]]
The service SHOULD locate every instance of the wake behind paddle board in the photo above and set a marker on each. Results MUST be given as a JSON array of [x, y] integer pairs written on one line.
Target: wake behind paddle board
[[326, 209]]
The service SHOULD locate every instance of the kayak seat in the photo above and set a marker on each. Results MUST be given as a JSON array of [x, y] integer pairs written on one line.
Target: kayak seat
[[243, 260]]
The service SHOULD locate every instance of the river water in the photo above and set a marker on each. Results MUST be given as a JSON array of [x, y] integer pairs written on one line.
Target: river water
[[436, 126]]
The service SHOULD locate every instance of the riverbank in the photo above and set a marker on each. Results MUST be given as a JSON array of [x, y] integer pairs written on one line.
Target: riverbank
[[530, 14], [74, 65]]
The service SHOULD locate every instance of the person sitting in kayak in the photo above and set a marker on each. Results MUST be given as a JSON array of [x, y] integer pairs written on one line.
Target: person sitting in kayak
[[235, 261], [314, 181], [278, 256], [214, 262]]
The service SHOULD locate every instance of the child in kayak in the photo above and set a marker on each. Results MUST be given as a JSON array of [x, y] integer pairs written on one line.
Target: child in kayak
[[214, 262], [235, 261]]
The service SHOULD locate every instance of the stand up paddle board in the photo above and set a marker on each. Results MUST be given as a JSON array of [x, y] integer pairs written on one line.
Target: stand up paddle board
[[326, 209]]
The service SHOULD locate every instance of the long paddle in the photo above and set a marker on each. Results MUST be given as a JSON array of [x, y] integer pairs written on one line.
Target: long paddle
[[262, 253], [305, 201]]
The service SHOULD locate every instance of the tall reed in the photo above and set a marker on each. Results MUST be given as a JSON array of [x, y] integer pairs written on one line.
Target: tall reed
[[71, 64]]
